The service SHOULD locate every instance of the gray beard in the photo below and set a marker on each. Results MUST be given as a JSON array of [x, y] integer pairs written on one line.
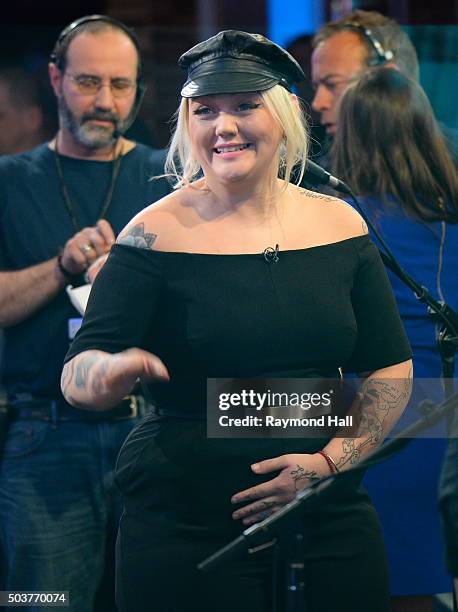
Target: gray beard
[[88, 135]]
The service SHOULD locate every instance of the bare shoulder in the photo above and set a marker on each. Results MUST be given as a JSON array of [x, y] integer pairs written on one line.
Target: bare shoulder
[[338, 216], [160, 226]]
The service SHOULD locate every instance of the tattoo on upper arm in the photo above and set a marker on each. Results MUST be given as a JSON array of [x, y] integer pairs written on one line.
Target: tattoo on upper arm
[[365, 229], [137, 237]]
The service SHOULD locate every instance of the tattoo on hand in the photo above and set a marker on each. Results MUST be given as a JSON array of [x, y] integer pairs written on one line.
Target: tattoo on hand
[[301, 474], [263, 515], [263, 506], [136, 237]]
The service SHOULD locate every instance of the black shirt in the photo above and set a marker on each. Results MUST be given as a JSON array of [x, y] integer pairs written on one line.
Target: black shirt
[[314, 311], [35, 224]]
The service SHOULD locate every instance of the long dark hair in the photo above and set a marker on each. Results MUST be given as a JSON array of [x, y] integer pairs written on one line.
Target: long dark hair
[[388, 144]]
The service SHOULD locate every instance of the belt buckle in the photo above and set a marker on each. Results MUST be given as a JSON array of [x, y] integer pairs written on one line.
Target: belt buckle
[[133, 405]]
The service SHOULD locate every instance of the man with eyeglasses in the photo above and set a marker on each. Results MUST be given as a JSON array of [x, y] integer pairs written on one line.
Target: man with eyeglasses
[[61, 206]]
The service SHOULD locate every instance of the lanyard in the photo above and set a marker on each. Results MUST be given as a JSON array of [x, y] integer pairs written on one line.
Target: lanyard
[[116, 164]]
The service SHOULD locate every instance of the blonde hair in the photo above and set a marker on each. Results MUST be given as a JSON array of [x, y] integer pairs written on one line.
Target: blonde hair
[[184, 168]]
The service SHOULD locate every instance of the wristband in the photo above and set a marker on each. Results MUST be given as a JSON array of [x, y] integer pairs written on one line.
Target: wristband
[[76, 280]]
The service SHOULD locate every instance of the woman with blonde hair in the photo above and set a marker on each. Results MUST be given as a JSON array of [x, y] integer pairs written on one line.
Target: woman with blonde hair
[[239, 274]]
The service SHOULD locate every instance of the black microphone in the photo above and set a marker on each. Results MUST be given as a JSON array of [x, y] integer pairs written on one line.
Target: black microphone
[[271, 254], [316, 175]]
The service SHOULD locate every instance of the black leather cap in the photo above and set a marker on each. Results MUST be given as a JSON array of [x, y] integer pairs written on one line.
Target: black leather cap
[[235, 62]]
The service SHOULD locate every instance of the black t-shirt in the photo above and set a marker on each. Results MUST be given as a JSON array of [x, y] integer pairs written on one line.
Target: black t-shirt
[[314, 311], [35, 224]]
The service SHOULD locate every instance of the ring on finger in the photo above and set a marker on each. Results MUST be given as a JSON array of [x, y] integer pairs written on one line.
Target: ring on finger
[[85, 248]]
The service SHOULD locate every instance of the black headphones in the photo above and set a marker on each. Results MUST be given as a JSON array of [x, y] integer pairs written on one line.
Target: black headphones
[[67, 35], [380, 55]]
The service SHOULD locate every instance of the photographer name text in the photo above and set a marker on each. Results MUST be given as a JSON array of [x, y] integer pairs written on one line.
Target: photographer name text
[[285, 422]]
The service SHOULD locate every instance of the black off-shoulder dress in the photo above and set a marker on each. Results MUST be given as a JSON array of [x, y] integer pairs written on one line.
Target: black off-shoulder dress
[[315, 310]]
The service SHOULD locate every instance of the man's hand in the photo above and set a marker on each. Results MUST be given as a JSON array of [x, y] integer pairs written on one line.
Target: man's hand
[[297, 471], [86, 246]]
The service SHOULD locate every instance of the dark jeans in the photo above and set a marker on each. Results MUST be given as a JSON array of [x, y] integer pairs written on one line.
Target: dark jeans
[[59, 507]]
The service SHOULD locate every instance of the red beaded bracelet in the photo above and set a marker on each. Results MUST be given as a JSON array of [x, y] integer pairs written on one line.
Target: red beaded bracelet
[[331, 463]]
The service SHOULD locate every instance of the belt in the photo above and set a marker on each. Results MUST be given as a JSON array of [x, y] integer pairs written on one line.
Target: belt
[[59, 410], [179, 414]]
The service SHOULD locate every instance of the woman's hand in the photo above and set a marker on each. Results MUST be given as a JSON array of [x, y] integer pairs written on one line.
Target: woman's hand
[[297, 471], [94, 268], [98, 380], [120, 372]]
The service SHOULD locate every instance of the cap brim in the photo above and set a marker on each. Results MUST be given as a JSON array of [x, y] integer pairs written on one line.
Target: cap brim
[[227, 82]]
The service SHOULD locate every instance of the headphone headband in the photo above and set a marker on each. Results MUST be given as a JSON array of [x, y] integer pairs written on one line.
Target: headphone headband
[[56, 55], [380, 54], [60, 49]]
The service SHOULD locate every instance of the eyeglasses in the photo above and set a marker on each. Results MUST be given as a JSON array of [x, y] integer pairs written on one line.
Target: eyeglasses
[[89, 85]]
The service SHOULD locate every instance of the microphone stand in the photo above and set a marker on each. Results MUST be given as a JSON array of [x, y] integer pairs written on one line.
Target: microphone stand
[[254, 538]]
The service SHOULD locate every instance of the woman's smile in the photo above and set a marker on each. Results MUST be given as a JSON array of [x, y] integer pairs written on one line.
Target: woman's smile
[[231, 150]]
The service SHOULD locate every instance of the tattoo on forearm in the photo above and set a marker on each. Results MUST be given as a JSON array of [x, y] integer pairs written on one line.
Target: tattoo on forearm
[[98, 379], [67, 375], [379, 403], [301, 474], [82, 369], [136, 237]]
